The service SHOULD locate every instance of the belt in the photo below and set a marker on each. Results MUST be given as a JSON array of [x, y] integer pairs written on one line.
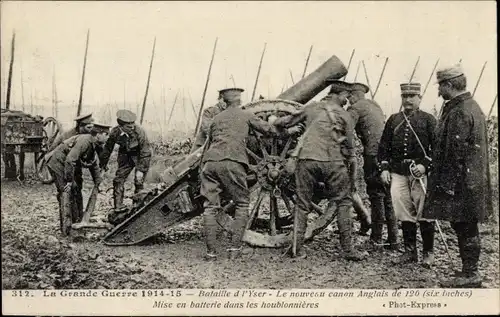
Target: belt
[[401, 167]]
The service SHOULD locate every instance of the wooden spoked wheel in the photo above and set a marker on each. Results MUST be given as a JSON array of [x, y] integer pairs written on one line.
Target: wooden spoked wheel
[[52, 130]]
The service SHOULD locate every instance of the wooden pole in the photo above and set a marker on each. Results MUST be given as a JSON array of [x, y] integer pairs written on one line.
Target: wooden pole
[[357, 71], [11, 66], [367, 79], [492, 106], [380, 78], [147, 83], [430, 77], [258, 72], [198, 119], [173, 106], [83, 75], [349, 64], [22, 88], [291, 76], [192, 104], [307, 61], [232, 78], [414, 69], [479, 79]]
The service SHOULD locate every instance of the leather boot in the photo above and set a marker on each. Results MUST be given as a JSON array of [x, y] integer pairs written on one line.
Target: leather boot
[[427, 232], [345, 228], [377, 206], [300, 220], [211, 230], [410, 243], [469, 277], [392, 226]]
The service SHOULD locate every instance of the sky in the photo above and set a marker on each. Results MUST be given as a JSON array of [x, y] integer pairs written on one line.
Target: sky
[[50, 45]]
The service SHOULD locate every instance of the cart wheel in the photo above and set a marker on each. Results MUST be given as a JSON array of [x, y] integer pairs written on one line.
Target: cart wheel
[[42, 171]]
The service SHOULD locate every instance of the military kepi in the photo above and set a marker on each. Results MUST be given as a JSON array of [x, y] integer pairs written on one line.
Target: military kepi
[[231, 94], [449, 73], [85, 119], [338, 86], [410, 89], [126, 116]]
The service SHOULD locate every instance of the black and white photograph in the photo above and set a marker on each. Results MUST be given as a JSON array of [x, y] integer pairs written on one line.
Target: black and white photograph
[[257, 145]]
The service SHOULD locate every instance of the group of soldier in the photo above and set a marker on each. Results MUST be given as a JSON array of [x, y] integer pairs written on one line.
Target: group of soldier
[[417, 169]]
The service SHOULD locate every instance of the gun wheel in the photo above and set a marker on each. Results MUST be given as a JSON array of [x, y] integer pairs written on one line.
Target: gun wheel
[[273, 195], [51, 129]]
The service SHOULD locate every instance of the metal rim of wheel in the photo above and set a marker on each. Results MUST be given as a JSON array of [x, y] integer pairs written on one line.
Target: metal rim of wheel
[[51, 128], [272, 228]]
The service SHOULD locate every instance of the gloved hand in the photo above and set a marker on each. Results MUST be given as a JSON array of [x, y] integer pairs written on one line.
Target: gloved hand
[[67, 187], [139, 176], [417, 169], [298, 129], [386, 177]]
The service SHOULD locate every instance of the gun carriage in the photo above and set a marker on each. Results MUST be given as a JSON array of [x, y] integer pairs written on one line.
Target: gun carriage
[[177, 199]]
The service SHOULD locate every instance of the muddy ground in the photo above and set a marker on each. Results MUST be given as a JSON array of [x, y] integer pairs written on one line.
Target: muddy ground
[[36, 256]]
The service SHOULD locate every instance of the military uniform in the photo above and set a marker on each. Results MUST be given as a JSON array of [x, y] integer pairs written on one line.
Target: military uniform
[[325, 147], [398, 148], [80, 121], [134, 152], [206, 121], [459, 189], [66, 164], [224, 168]]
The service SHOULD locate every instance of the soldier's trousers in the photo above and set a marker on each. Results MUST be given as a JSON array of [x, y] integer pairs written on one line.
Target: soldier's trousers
[[76, 194], [380, 201], [337, 188], [126, 163], [224, 179]]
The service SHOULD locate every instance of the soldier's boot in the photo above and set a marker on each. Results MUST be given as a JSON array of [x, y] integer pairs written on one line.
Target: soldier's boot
[[392, 227], [469, 277], [427, 232], [345, 228], [300, 220], [410, 243], [377, 223], [138, 186], [239, 224], [211, 230]]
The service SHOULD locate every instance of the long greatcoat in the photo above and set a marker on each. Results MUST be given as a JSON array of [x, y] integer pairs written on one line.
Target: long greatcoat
[[459, 184]]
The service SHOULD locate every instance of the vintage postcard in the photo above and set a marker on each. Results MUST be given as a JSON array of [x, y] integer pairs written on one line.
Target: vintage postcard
[[191, 158]]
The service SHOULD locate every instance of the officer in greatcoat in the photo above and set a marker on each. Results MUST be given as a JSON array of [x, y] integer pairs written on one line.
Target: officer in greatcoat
[[225, 167], [66, 164], [134, 152], [460, 189], [206, 120], [326, 155], [369, 119], [404, 153]]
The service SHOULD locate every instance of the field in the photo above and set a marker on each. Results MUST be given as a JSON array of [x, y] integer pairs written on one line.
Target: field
[[36, 256]]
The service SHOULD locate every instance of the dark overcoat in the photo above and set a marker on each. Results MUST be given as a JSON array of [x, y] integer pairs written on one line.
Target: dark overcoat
[[459, 184]]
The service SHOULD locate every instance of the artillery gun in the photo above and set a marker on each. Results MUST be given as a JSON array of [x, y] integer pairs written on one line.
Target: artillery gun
[[177, 199]]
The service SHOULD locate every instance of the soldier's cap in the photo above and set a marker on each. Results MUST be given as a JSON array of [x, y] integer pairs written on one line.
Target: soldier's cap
[[231, 94], [410, 89], [84, 119], [338, 86], [448, 73], [126, 116], [98, 127], [360, 87]]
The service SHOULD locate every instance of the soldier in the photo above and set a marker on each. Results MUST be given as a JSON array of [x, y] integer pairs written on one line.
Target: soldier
[[206, 120], [65, 166], [224, 169], [134, 152], [368, 120], [327, 146], [84, 124], [459, 189], [104, 130], [404, 153]]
